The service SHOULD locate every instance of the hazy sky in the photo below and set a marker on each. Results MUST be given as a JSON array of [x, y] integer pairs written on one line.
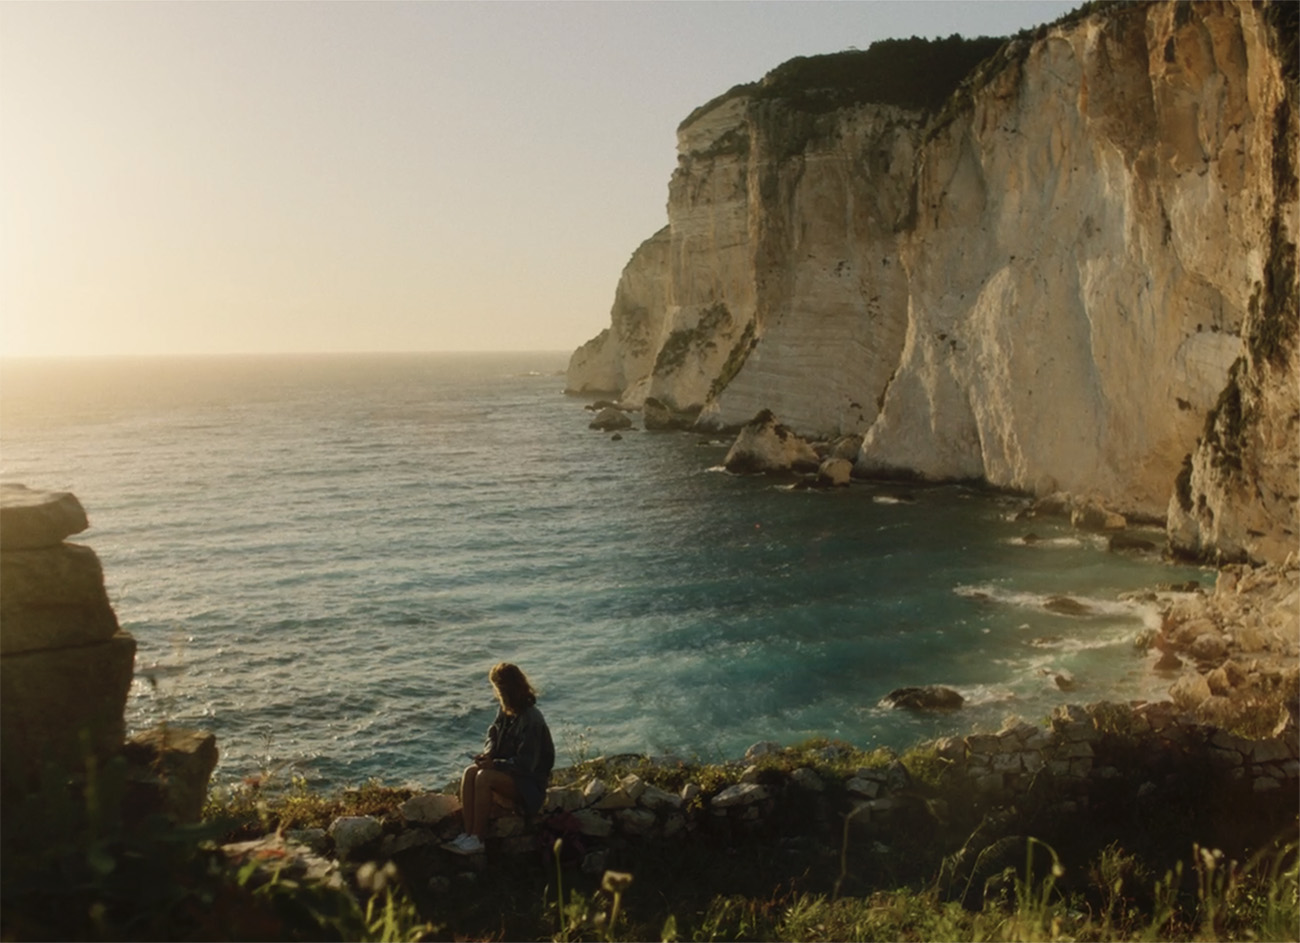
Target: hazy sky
[[277, 177]]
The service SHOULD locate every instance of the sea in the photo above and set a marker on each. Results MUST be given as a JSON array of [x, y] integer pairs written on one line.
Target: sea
[[321, 557]]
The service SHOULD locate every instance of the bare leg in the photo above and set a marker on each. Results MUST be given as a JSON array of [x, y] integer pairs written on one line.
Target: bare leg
[[468, 800], [487, 782]]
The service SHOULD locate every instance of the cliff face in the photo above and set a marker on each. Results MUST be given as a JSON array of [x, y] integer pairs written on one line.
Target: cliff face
[[1044, 285]]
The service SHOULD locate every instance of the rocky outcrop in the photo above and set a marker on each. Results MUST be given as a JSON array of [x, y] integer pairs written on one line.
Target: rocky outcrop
[[765, 445], [1044, 284], [65, 666], [66, 669]]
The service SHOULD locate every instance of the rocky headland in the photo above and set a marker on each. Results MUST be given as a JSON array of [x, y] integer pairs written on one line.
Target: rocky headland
[[1065, 262]]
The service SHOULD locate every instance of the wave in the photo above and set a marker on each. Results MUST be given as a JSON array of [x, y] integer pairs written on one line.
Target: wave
[[1064, 604]]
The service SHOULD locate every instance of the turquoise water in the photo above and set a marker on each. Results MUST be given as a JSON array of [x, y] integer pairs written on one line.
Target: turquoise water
[[321, 557]]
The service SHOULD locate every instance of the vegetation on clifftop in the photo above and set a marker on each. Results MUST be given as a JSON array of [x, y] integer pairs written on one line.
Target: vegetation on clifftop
[[918, 74]]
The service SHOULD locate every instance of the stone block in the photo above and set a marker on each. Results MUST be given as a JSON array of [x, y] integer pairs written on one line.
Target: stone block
[[655, 798], [53, 598], [594, 791], [406, 840], [563, 799], [863, 787], [690, 791], [1269, 751], [635, 821], [951, 748], [612, 801], [178, 764], [50, 700], [633, 785], [1007, 763], [1265, 784], [740, 794], [507, 826], [352, 833], [752, 774], [430, 808], [31, 519], [592, 824], [806, 779], [984, 744]]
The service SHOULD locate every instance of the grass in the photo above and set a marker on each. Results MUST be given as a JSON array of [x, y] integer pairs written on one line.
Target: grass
[[1183, 870]]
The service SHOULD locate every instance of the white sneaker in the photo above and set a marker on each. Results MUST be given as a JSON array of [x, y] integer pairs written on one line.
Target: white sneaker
[[465, 845]]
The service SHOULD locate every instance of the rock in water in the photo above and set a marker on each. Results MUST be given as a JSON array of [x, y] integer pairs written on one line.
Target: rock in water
[[764, 445], [609, 419], [930, 697], [1066, 606], [835, 473]]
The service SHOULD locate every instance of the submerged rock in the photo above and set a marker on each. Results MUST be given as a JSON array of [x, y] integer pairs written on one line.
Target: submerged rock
[[930, 697], [1067, 606]]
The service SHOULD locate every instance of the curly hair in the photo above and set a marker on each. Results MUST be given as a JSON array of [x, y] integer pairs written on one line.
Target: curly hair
[[517, 695]]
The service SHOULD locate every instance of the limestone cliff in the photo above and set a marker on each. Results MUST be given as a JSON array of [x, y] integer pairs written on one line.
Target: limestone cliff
[[1041, 280]]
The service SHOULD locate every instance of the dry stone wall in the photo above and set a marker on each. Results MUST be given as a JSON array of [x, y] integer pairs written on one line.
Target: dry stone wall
[[1084, 756]]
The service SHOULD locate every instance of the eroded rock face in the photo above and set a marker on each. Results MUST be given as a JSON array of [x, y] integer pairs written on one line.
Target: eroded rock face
[[1044, 286], [31, 520], [65, 667]]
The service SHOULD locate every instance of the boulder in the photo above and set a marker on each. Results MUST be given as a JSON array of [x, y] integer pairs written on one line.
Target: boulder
[[609, 419], [430, 808], [835, 473], [763, 445], [352, 833], [32, 520], [930, 697], [1093, 516]]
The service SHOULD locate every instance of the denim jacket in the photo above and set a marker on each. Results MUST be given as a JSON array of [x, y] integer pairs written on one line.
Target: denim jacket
[[520, 744]]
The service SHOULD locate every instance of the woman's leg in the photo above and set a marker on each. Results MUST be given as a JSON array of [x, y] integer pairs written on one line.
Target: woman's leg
[[468, 800], [486, 782]]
